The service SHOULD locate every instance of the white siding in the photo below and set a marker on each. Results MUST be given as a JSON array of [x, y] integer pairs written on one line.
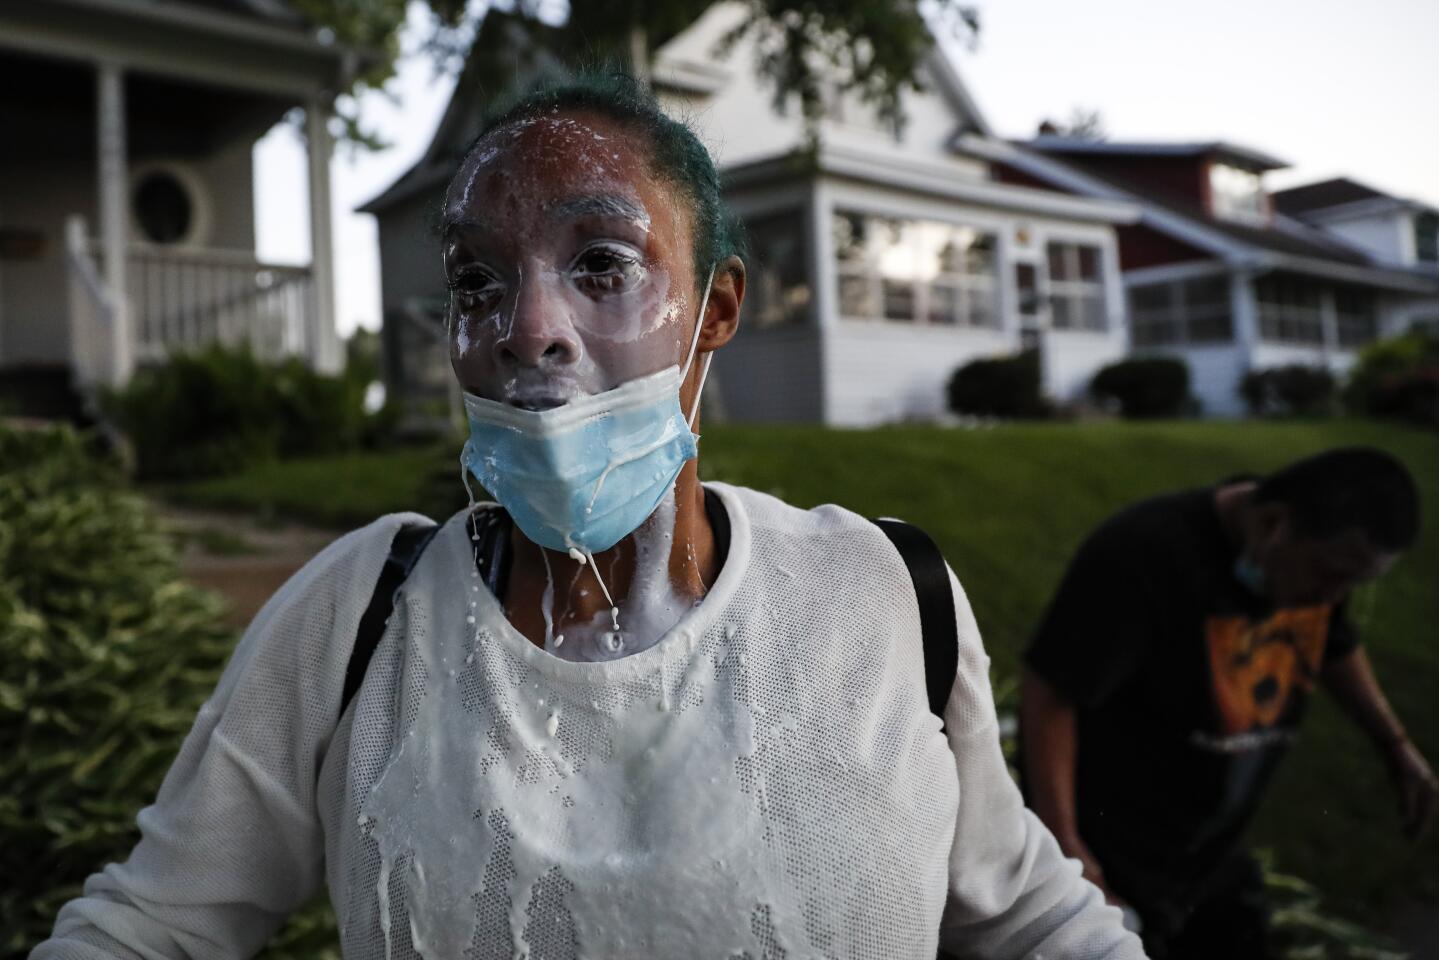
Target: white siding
[[770, 375], [1214, 373], [1071, 358], [1388, 236], [883, 372]]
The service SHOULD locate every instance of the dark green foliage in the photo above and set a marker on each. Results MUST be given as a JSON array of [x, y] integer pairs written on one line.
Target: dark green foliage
[[1144, 388], [999, 387], [105, 656], [1290, 391], [1397, 378], [220, 410]]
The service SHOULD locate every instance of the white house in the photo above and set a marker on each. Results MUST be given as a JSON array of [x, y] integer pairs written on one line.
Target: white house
[[1212, 272], [126, 188], [879, 265], [1393, 230]]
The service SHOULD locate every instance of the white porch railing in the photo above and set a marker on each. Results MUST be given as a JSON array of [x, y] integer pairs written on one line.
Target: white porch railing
[[92, 314], [185, 299]]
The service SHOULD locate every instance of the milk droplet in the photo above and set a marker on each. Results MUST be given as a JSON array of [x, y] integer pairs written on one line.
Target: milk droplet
[[559, 639], [552, 724], [470, 618], [577, 556]]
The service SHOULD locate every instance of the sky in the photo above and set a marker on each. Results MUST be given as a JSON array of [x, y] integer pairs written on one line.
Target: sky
[[1333, 88]]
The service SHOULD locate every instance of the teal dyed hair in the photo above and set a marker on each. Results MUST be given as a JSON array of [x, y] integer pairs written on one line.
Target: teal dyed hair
[[676, 154]]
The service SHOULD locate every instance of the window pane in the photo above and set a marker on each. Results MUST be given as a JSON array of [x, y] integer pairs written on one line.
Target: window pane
[[1210, 329], [1089, 263], [899, 300], [856, 298], [945, 304], [983, 311], [1154, 297], [1061, 313], [778, 291], [1149, 334], [981, 255], [850, 234], [1091, 307], [1058, 263], [1026, 283], [1209, 292]]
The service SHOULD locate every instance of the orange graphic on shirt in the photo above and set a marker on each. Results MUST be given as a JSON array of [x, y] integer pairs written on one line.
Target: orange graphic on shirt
[[1257, 668]]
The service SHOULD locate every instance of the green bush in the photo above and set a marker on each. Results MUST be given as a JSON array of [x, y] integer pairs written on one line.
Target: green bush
[[1289, 391], [1145, 387], [105, 658], [1398, 379], [999, 387], [220, 410]]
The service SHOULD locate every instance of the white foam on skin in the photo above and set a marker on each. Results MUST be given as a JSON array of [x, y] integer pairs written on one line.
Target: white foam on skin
[[634, 823]]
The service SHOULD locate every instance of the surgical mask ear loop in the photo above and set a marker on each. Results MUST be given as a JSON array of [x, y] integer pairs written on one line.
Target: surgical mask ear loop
[[694, 345]]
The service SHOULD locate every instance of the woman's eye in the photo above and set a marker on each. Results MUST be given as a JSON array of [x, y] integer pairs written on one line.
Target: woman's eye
[[472, 286], [605, 269]]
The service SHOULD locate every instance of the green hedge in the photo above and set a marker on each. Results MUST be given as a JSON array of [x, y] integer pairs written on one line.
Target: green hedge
[[1397, 379], [1144, 387], [1007, 387], [105, 658], [220, 410], [1294, 390]]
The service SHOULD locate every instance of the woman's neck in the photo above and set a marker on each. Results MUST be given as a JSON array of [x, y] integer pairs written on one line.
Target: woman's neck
[[654, 576]]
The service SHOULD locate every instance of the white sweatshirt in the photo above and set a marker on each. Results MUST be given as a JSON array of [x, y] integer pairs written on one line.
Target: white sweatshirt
[[764, 782]]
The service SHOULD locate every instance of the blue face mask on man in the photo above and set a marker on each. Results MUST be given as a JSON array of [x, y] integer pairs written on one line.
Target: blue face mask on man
[[1251, 575], [583, 476]]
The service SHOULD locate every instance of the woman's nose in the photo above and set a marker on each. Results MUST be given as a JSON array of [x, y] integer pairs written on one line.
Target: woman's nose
[[540, 330]]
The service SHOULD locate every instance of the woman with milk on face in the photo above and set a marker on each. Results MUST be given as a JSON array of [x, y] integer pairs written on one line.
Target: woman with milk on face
[[616, 712]]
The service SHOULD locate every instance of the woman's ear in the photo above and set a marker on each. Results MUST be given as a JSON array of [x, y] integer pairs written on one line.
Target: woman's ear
[[721, 319]]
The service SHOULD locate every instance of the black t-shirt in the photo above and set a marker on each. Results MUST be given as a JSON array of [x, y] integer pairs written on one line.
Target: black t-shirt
[[1187, 688]]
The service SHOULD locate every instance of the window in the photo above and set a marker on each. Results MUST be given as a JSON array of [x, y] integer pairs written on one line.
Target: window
[[778, 291], [1289, 310], [163, 209], [1426, 237], [1237, 194], [1026, 284], [1356, 318], [1189, 311], [915, 271], [1076, 287]]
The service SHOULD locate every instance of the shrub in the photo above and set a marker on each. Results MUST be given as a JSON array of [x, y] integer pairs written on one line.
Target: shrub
[[1289, 391], [1397, 378], [999, 387], [220, 410], [1144, 387], [105, 658]]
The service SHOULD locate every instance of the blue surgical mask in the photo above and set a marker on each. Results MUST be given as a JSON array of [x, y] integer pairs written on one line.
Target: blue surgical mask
[[583, 476], [1251, 575]]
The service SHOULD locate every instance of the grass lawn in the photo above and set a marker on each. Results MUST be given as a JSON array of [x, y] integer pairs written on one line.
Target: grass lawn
[[1008, 506]]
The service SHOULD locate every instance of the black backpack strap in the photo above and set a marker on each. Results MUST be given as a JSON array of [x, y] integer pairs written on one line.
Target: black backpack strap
[[410, 541], [930, 575]]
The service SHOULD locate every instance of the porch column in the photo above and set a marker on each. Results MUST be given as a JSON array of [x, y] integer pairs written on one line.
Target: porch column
[[1329, 324], [114, 216], [322, 340]]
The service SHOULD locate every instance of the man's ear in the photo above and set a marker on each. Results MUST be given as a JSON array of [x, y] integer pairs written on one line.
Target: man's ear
[[721, 319], [1272, 520]]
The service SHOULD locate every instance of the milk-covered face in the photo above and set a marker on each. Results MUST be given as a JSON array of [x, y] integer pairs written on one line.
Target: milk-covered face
[[570, 263]]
